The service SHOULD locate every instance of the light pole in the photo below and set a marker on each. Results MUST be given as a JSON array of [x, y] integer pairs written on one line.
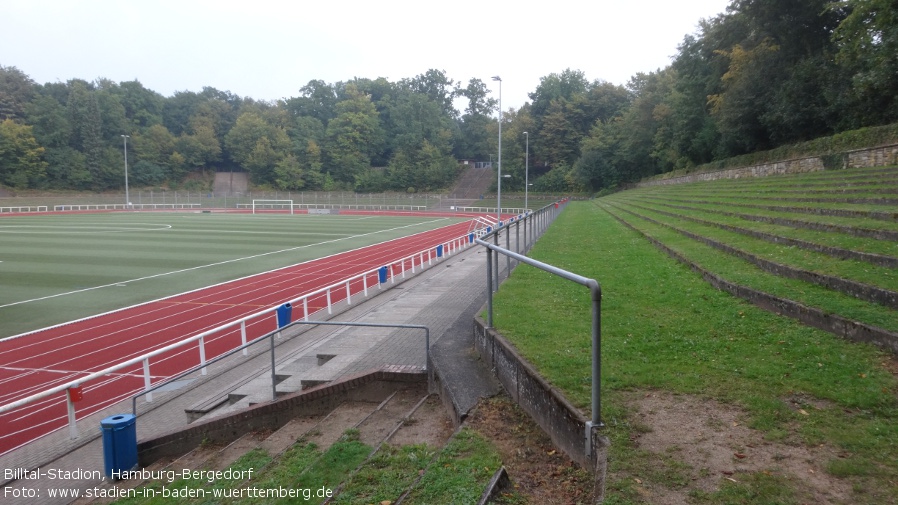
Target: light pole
[[127, 197], [499, 177], [526, 170]]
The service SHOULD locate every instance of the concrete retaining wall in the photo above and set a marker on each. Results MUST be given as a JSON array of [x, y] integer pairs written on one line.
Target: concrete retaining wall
[[563, 422]]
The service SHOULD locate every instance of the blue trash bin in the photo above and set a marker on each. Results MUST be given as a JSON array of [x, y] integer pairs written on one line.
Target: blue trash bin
[[440, 251], [470, 238], [119, 444], [283, 314], [382, 275]]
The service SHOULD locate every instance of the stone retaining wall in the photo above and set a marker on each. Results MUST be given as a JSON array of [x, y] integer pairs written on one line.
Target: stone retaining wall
[[860, 158]]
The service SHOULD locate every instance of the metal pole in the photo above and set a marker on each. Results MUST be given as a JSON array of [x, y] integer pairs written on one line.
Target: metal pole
[[526, 170], [489, 288], [274, 390], [508, 258], [499, 178], [127, 197], [496, 264]]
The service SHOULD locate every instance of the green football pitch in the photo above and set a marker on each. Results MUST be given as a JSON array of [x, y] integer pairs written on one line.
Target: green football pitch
[[60, 267]]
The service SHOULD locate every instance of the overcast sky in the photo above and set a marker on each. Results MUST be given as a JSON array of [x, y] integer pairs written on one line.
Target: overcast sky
[[268, 49]]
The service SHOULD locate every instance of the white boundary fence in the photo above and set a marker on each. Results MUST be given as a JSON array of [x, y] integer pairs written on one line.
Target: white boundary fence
[[121, 206], [25, 208], [310, 206], [392, 270]]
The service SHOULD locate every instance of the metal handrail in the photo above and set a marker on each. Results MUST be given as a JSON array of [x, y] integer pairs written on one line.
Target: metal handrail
[[596, 296], [271, 335]]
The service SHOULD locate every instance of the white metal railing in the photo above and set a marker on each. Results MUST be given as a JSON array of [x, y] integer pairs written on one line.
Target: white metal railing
[[23, 208], [433, 253], [492, 210], [347, 206], [121, 206]]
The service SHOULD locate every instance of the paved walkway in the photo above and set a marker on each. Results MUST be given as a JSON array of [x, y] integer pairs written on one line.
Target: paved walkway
[[443, 297]]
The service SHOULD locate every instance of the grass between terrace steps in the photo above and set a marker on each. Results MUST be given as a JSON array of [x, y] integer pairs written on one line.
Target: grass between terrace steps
[[664, 328], [858, 271], [829, 239], [744, 273]]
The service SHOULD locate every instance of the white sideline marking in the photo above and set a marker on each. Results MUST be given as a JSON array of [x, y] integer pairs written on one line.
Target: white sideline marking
[[21, 302], [27, 229]]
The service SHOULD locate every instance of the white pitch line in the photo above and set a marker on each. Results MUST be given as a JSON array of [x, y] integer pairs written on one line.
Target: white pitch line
[[119, 283]]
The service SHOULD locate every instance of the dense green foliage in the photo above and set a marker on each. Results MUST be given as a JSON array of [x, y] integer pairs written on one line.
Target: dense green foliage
[[364, 135], [762, 75]]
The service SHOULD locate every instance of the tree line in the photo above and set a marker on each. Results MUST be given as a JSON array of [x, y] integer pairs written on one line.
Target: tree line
[[763, 74], [368, 135]]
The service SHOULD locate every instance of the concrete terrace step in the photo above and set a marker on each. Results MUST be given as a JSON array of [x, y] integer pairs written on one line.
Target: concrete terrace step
[[376, 422]]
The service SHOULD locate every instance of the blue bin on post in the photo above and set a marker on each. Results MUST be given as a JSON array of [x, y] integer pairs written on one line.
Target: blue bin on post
[[470, 238], [382, 275], [283, 313], [440, 251], [119, 444]]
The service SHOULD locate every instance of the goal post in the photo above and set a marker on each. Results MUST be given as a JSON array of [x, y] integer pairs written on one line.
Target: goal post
[[261, 205]]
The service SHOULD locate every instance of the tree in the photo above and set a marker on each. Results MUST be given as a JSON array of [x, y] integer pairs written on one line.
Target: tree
[[257, 146], [143, 107], [565, 85], [154, 145], [317, 99], [437, 87], [744, 87], [352, 137], [867, 43], [16, 90], [21, 165], [288, 173], [87, 127], [473, 142]]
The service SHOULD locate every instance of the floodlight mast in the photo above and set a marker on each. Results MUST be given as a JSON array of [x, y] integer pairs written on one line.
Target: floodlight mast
[[127, 197], [526, 170], [499, 175]]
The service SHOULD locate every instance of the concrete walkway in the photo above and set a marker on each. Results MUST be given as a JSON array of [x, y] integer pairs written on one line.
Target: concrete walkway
[[444, 297]]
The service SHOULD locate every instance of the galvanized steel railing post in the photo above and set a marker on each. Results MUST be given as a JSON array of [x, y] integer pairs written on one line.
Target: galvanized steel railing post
[[274, 391], [508, 247], [489, 288]]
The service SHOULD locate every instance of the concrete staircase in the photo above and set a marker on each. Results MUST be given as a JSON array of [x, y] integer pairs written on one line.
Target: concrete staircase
[[473, 183], [230, 183], [409, 416]]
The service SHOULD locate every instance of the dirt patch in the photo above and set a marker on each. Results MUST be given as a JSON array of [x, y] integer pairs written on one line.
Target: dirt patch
[[711, 445], [539, 472]]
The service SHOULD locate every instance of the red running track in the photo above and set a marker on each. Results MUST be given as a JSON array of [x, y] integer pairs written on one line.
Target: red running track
[[53, 357]]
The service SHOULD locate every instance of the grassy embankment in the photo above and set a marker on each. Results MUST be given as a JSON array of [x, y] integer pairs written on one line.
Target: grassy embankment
[[665, 330]]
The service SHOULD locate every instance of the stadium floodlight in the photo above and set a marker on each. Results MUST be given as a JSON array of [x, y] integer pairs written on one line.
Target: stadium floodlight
[[127, 198], [262, 204], [499, 175], [526, 170]]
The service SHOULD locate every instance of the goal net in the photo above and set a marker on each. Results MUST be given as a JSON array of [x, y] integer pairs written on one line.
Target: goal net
[[272, 205]]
